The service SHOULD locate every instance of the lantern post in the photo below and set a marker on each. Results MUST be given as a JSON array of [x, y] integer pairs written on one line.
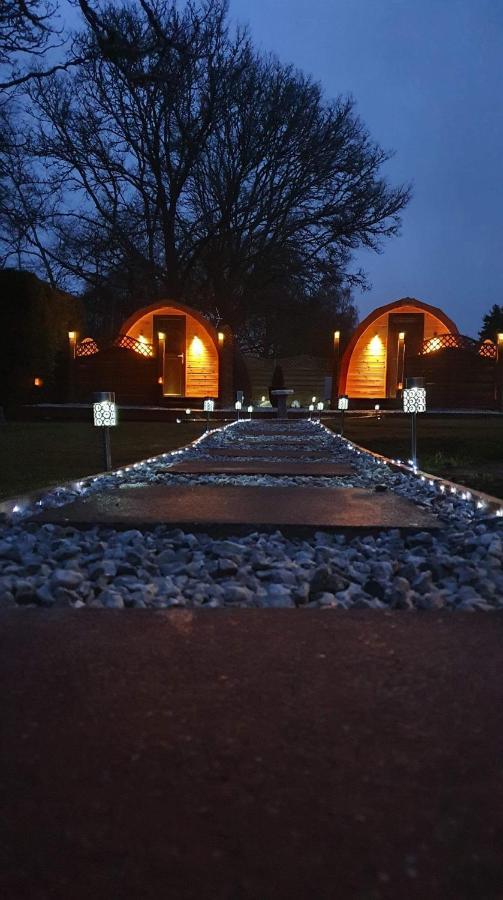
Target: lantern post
[[342, 405], [209, 406], [414, 402], [105, 417]]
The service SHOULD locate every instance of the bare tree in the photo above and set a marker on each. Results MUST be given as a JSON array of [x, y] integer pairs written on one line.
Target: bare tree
[[177, 155], [25, 27], [288, 177]]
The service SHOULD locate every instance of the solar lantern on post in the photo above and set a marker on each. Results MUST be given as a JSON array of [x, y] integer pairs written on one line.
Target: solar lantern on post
[[250, 410], [238, 407], [342, 405], [209, 406], [414, 402], [105, 417], [311, 409]]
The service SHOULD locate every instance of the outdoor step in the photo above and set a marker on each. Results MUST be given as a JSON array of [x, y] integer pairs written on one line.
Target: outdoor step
[[204, 506], [283, 451], [200, 467]]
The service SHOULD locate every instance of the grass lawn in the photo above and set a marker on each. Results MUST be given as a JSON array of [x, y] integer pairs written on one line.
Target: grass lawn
[[466, 449], [38, 454]]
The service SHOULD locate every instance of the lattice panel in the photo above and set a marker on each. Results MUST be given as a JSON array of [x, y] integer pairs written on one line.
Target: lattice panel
[[458, 342], [86, 347], [129, 343]]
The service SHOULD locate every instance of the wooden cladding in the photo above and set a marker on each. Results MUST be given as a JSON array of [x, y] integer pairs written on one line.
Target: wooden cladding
[[373, 370]]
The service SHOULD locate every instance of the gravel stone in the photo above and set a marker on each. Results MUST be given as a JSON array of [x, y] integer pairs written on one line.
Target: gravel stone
[[457, 568]]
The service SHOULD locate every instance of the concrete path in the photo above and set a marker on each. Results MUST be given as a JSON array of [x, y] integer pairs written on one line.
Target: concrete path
[[205, 506], [256, 755]]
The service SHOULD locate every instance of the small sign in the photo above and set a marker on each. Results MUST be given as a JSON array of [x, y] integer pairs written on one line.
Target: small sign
[[105, 414], [209, 405]]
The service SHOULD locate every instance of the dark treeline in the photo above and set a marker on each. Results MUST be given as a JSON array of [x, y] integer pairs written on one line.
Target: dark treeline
[[157, 154]]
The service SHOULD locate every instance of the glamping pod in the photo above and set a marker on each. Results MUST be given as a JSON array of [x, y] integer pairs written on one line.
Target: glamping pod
[[166, 353], [379, 354]]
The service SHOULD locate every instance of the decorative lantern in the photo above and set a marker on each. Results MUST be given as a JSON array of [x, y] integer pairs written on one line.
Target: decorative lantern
[[105, 417], [414, 399], [105, 414], [414, 402], [342, 405]]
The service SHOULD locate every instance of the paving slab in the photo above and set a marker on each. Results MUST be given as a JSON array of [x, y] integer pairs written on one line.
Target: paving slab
[[285, 451], [187, 506], [274, 754], [201, 467]]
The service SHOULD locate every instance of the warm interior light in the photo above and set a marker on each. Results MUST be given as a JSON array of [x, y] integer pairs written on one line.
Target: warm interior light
[[72, 335], [220, 337], [38, 382], [142, 339], [159, 380], [500, 338], [161, 336], [337, 335], [376, 346], [401, 335], [196, 347]]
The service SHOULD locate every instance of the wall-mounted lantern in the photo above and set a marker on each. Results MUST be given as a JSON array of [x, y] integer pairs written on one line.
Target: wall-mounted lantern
[[72, 343]]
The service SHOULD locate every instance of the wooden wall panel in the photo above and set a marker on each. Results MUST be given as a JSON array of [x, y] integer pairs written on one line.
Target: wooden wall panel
[[367, 368]]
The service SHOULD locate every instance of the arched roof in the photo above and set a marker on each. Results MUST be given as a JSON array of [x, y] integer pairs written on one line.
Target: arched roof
[[394, 306], [174, 304]]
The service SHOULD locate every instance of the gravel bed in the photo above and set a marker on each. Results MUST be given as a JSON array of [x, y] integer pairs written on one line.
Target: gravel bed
[[456, 568]]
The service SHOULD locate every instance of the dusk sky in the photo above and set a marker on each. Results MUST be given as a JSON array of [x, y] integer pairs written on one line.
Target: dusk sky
[[427, 76]]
